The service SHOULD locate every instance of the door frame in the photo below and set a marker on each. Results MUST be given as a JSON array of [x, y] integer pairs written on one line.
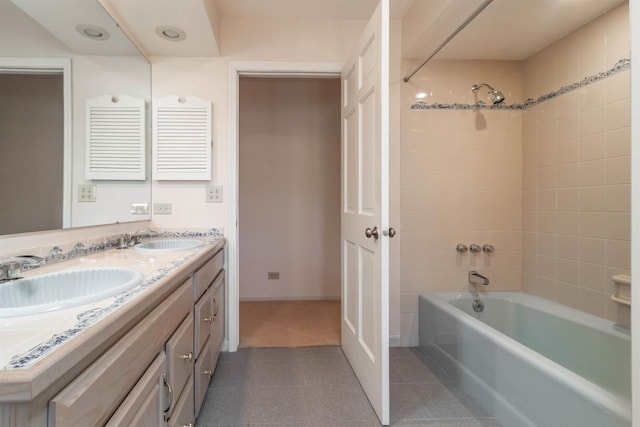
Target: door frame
[[255, 69], [18, 65]]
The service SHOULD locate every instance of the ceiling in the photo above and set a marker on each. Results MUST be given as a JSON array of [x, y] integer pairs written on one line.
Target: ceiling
[[308, 9], [516, 29], [55, 16]]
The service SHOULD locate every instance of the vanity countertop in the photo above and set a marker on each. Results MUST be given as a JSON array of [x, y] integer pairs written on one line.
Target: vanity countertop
[[37, 350]]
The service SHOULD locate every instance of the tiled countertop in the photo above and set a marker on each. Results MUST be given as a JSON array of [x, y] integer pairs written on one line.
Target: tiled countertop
[[32, 344]]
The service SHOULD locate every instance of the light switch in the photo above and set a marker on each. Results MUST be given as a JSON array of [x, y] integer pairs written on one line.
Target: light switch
[[86, 193], [214, 194]]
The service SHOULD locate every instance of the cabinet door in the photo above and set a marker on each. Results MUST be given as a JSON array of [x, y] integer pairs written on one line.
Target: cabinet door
[[202, 375], [217, 333], [145, 404], [203, 320], [180, 357], [183, 414]]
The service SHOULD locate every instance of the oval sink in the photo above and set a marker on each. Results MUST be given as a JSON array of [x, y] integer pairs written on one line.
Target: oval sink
[[168, 245], [56, 291]]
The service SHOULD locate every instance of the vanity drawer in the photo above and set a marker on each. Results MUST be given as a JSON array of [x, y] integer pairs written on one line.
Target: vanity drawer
[[144, 406], [205, 275], [180, 357], [203, 320], [183, 414], [202, 375], [96, 393]]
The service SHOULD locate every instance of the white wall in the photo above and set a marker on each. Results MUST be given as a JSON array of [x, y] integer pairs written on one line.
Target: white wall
[[91, 76], [289, 200]]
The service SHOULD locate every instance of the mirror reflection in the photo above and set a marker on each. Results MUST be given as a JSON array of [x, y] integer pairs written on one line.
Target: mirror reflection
[[54, 56]]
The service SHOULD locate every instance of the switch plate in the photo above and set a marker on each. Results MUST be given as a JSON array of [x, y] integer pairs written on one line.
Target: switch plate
[[140, 208], [162, 208], [273, 275], [214, 194], [86, 193]]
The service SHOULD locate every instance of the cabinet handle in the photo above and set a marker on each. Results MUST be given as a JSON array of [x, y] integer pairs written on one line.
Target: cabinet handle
[[215, 310], [188, 425], [188, 356], [208, 319], [170, 390], [208, 372]]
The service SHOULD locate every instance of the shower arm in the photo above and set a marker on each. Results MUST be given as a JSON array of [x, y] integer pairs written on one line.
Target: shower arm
[[484, 4]]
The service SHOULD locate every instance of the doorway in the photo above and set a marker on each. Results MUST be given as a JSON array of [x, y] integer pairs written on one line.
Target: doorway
[[289, 209]]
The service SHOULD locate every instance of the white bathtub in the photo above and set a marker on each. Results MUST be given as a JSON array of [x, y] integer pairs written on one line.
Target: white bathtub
[[529, 361]]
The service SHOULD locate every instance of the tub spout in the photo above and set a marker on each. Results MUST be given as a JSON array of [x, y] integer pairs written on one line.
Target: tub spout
[[477, 278]]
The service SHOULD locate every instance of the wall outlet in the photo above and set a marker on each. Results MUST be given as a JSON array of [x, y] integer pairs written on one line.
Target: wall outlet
[[86, 193], [273, 275], [162, 208], [214, 194], [140, 208]]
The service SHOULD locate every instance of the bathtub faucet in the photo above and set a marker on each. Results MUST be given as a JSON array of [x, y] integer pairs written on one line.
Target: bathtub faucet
[[477, 278]]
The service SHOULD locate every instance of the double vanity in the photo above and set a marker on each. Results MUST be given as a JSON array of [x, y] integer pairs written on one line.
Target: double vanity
[[141, 355]]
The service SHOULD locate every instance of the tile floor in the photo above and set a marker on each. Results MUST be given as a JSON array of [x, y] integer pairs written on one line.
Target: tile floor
[[289, 323], [315, 387]]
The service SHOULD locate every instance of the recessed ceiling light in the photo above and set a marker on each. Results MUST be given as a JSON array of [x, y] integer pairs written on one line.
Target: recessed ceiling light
[[93, 32], [168, 32]]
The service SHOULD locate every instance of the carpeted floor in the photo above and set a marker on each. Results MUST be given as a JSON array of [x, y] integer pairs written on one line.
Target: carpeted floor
[[289, 323]]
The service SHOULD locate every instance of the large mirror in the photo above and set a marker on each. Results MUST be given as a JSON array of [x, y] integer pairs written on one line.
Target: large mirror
[[54, 56]]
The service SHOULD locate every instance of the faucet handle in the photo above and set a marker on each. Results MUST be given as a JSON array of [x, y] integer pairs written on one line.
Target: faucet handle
[[474, 248], [488, 249], [461, 248]]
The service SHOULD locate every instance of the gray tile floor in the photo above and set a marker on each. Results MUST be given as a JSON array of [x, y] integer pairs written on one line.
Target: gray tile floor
[[315, 387]]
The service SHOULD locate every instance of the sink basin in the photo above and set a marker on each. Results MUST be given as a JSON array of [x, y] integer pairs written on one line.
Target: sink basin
[[56, 291], [168, 245]]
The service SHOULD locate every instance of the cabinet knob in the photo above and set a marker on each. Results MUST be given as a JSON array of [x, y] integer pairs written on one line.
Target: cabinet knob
[[208, 319], [188, 356], [208, 372]]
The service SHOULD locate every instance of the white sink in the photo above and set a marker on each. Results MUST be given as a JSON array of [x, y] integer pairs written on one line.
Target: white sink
[[168, 245], [56, 291]]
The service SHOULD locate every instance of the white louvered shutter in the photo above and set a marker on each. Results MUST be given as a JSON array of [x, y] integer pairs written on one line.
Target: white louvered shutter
[[182, 139], [115, 139]]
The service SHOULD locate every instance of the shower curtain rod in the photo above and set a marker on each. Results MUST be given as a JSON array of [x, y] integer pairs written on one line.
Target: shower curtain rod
[[448, 39]]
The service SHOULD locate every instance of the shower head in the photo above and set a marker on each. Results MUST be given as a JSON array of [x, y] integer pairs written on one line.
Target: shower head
[[497, 97]]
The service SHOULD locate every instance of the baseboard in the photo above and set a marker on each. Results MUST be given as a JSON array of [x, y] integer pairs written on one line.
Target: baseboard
[[395, 341], [318, 298]]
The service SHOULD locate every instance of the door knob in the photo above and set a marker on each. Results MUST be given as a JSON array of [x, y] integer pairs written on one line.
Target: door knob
[[369, 232], [390, 232]]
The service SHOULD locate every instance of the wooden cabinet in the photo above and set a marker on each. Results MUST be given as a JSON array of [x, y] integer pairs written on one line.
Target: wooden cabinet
[[158, 373], [93, 396], [145, 405]]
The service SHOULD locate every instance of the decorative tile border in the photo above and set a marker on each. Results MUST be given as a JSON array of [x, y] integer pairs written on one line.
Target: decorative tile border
[[622, 65], [91, 317], [55, 254]]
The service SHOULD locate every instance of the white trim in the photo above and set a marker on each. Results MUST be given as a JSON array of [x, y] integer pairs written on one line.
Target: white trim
[[46, 66], [236, 69], [634, 17]]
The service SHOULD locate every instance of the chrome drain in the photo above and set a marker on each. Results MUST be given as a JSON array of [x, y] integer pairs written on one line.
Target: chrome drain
[[478, 306]]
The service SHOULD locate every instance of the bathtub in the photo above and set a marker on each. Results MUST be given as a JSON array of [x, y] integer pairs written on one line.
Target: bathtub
[[529, 361]]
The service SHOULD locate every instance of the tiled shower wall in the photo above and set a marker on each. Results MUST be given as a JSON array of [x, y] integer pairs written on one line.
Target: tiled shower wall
[[576, 200], [549, 187], [461, 182]]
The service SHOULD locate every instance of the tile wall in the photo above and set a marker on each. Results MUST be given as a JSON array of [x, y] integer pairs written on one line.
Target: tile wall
[[461, 182], [577, 170]]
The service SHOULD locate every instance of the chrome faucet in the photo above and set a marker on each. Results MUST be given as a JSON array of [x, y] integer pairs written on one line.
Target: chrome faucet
[[477, 278], [10, 269]]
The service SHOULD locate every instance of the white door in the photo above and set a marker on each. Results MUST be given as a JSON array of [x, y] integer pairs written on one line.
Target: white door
[[365, 205]]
